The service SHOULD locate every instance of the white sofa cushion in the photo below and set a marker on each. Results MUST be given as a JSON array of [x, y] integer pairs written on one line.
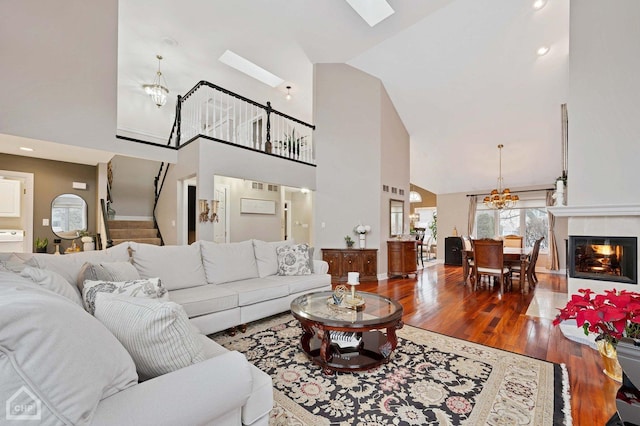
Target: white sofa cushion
[[150, 288], [205, 299], [177, 266], [58, 352], [294, 260], [54, 282], [300, 283], [158, 335], [257, 290], [67, 265], [266, 256], [228, 262]]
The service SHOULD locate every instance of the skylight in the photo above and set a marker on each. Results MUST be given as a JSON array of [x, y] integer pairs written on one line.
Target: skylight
[[252, 70], [372, 11]]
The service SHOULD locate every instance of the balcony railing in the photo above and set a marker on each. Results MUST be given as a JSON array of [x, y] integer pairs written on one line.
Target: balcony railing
[[215, 113]]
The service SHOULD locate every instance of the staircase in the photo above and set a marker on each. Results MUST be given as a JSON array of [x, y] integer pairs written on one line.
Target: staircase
[[140, 231]]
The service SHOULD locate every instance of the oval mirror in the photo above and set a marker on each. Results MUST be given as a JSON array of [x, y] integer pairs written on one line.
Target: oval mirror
[[68, 216]]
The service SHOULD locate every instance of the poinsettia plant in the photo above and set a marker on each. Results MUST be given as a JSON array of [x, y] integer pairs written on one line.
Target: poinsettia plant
[[612, 315]]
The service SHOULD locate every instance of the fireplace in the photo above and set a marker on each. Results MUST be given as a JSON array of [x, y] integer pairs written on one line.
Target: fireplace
[[604, 258]]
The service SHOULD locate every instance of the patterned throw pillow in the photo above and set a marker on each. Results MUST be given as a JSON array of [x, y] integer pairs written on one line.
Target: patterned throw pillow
[[293, 260], [151, 288], [107, 271]]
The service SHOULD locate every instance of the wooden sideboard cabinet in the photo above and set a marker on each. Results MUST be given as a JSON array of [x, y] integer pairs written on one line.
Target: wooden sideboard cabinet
[[402, 257], [342, 261]]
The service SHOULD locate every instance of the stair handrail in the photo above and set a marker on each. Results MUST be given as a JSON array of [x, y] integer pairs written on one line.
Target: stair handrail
[[105, 219]]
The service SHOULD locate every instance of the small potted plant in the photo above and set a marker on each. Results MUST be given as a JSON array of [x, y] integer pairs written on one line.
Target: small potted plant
[[349, 241], [41, 245]]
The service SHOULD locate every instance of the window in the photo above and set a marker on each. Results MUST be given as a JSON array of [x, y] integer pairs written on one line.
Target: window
[[529, 219]]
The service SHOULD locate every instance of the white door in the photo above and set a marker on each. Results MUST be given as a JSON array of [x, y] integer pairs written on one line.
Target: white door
[[221, 232]]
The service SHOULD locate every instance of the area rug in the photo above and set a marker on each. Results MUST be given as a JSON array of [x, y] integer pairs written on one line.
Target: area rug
[[431, 379]]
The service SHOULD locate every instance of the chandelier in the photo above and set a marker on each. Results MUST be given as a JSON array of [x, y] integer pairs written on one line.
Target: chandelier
[[501, 198], [157, 90]]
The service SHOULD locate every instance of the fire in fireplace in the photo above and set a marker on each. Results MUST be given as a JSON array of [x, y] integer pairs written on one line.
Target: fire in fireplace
[[604, 258]]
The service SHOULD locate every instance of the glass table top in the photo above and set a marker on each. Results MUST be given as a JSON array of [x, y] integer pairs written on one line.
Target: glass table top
[[319, 307]]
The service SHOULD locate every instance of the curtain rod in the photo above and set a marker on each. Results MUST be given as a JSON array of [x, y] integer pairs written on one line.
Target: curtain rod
[[516, 192]]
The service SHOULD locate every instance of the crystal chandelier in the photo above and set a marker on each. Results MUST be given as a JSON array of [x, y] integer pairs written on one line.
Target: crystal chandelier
[[501, 198], [158, 91]]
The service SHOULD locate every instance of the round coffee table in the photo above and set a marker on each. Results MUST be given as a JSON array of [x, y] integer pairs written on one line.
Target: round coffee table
[[319, 317]]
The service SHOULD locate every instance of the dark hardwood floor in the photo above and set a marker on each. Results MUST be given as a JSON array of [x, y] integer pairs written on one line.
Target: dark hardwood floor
[[438, 300]]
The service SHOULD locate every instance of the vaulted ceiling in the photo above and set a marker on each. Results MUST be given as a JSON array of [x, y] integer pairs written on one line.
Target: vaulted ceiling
[[463, 74]]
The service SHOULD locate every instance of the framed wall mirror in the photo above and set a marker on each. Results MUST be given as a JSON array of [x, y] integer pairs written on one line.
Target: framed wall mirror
[[396, 212], [68, 216]]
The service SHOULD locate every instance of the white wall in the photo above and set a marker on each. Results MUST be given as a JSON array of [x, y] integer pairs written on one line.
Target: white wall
[[244, 226], [394, 168], [132, 190], [206, 159], [603, 103], [361, 144], [347, 141], [301, 214], [59, 74]]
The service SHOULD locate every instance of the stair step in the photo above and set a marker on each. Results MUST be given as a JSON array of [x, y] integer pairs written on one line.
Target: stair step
[[133, 233], [130, 224], [154, 241]]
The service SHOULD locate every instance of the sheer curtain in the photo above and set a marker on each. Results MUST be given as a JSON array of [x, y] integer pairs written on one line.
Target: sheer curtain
[[553, 263], [473, 206]]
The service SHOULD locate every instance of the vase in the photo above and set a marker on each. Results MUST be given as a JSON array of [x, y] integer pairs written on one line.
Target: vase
[[610, 360], [363, 241]]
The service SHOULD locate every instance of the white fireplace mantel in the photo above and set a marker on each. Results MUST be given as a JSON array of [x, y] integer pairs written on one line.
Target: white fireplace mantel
[[594, 211]]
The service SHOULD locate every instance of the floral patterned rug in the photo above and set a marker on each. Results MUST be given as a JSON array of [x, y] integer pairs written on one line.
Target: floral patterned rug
[[431, 379]]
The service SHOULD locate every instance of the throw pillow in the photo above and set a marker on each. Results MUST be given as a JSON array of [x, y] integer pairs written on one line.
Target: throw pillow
[[107, 271], [266, 256], [58, 352], [151, 288], [52, 281], [293, 260], [157, 335]]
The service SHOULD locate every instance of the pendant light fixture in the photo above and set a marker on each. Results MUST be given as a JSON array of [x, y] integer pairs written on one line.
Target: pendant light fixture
[[158, 89], [500, 198], [288, 97]]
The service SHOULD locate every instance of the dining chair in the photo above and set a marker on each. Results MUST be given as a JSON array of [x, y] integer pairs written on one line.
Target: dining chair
[[513, 241], [420, 246], [467, 250], [489, 260], [530, 264]]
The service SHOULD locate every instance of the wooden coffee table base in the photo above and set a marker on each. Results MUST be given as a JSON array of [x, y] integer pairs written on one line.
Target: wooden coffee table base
[[375, 349]]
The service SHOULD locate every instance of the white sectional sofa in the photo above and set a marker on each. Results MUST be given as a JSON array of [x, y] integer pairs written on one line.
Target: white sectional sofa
[[218, 285]]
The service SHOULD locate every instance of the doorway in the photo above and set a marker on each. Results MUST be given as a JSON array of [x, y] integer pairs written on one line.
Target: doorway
[[24, 220]]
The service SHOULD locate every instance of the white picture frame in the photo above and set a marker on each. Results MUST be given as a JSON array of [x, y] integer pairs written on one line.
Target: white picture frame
[[255, 206]]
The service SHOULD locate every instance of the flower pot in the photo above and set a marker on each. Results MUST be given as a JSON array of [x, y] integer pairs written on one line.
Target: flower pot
[[628, 352], [41, 249], [363, 241], [610, 360]]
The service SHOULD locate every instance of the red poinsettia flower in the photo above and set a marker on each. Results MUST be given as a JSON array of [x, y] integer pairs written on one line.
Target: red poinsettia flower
[[612, 315]]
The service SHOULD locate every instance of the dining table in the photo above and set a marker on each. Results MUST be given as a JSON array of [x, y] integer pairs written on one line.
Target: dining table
[[510, 255]]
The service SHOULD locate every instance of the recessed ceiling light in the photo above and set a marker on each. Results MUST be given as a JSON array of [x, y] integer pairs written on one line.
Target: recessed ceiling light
[[24, 148], [542, 50], [539, 4], [372, 11], [246, 66]]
